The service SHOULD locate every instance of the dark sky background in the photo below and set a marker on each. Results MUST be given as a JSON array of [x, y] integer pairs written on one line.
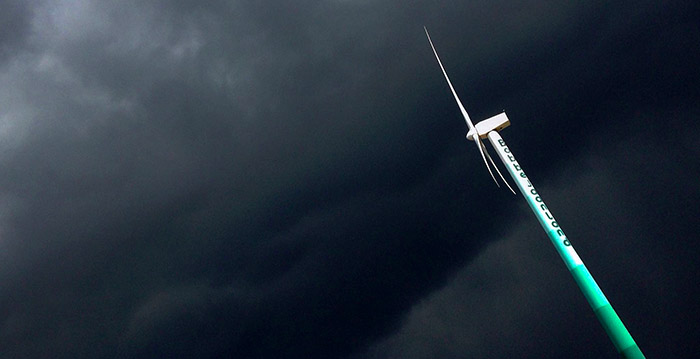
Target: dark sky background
[[251, 179]]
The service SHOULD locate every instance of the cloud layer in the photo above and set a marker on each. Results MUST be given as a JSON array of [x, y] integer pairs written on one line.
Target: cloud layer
[[225, 179]]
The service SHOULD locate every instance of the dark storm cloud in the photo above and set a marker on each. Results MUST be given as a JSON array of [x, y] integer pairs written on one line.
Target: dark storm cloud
[[14, 27], [517, 300], [213, 179]]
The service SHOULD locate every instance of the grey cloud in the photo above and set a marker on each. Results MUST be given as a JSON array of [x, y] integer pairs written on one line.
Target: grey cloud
[[516, 299], [15, 24], [220, 179]]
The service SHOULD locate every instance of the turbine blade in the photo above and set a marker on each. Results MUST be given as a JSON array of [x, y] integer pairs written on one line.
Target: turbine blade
[[478, 145], [477, 140], [459, 103], [496, 167]]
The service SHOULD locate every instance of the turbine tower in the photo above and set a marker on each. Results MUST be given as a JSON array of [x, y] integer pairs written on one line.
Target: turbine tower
[[489, 128]]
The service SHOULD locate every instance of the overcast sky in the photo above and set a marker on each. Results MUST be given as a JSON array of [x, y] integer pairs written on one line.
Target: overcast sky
[[250, 179]]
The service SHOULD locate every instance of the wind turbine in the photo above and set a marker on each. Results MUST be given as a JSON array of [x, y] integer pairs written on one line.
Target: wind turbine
[[489, 128]]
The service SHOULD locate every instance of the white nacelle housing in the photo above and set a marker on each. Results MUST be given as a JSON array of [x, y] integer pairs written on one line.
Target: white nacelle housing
[[495, 123]]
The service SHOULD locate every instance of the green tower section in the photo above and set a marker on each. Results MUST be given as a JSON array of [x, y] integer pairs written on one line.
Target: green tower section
[[605, 313]]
